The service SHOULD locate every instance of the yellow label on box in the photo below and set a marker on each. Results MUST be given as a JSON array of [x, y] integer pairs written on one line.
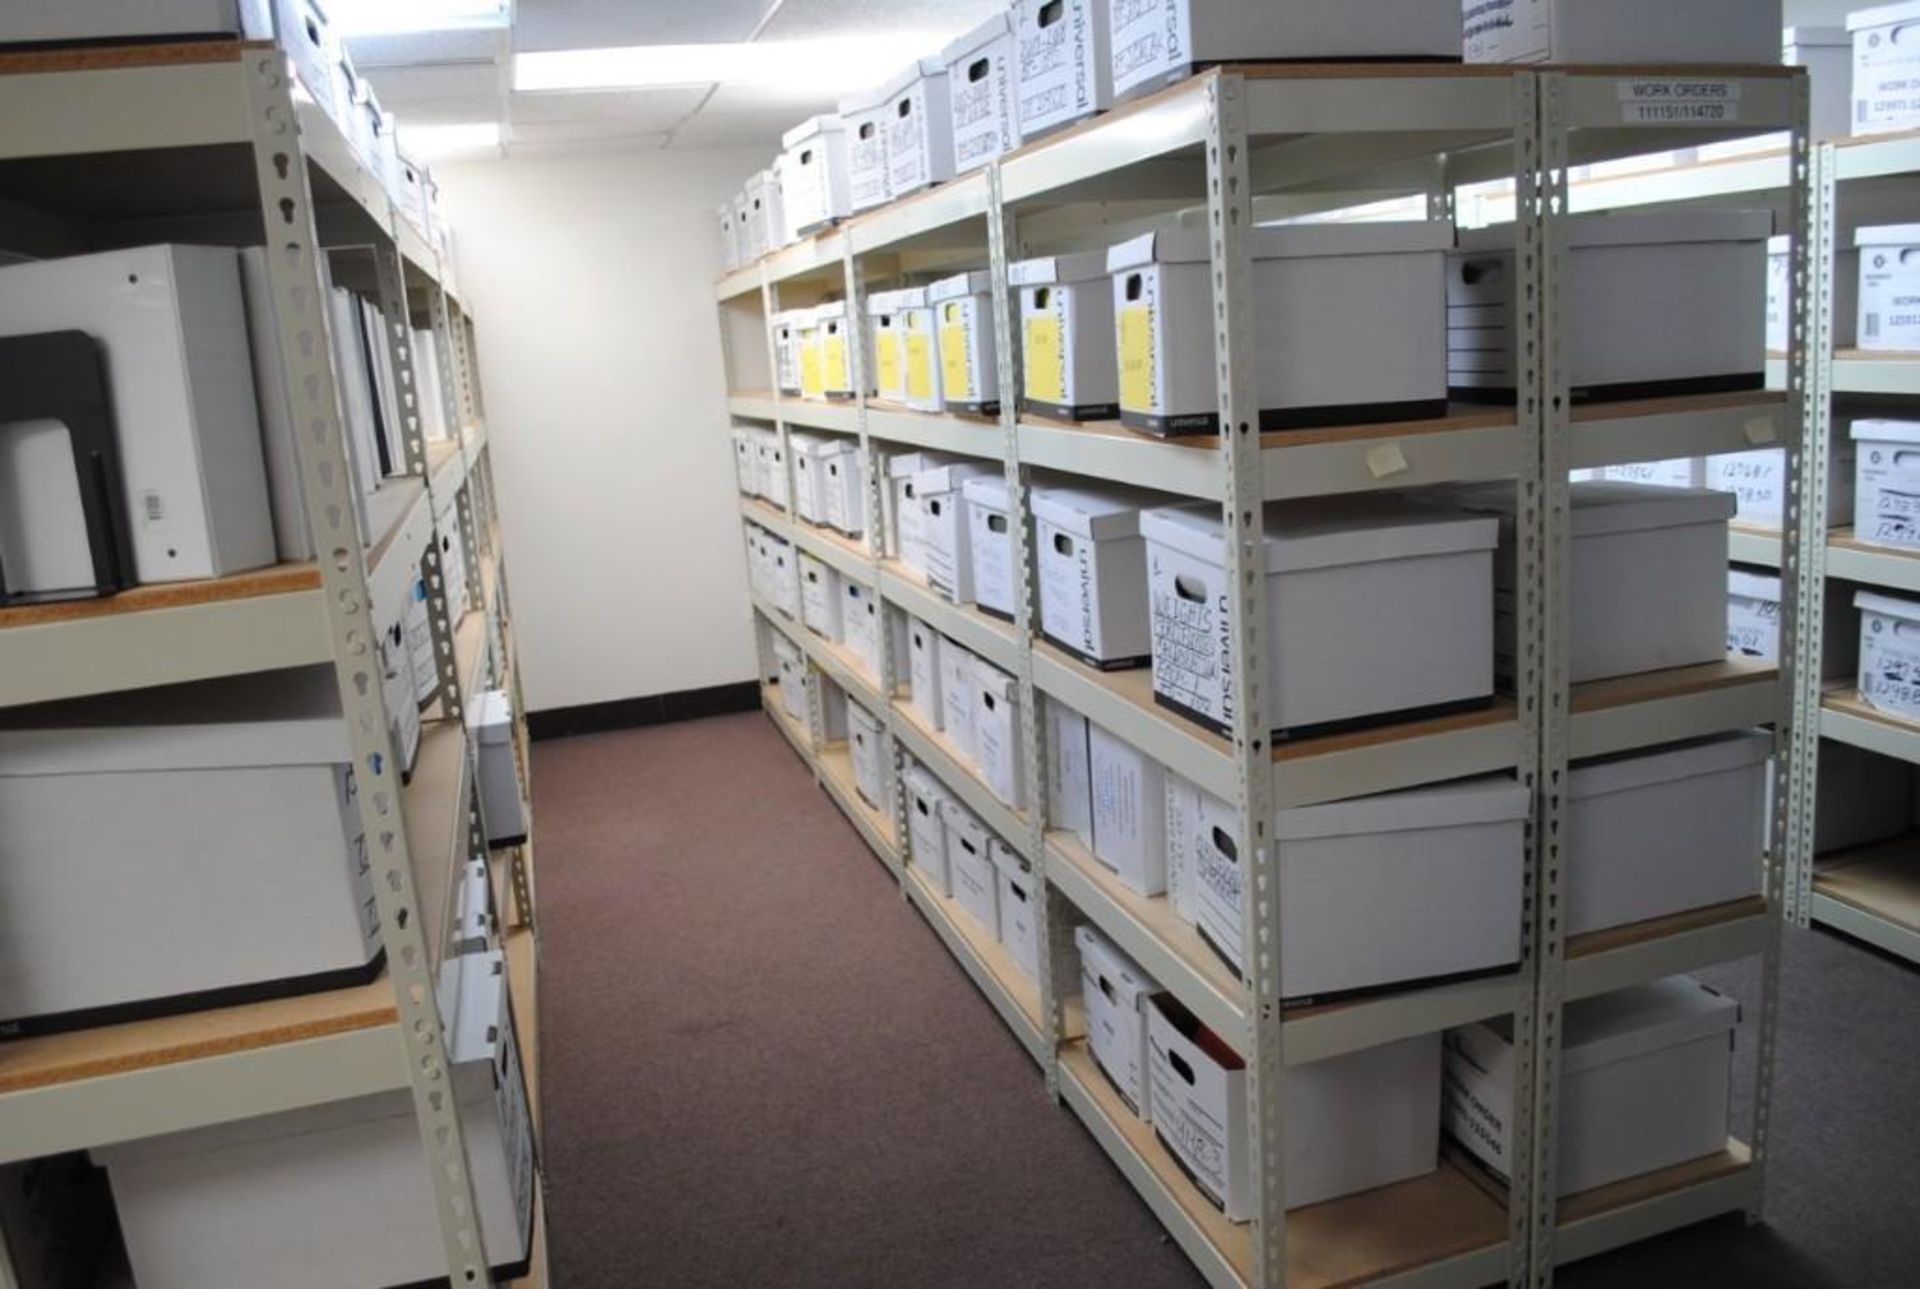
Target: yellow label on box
[[834, 360], [955, 370], [810, 384], [919, 367], [886, 361], [1136, 358], [1046, 364]]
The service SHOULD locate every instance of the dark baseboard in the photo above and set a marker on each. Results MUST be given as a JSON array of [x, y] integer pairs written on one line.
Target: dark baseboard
[[632, 713]]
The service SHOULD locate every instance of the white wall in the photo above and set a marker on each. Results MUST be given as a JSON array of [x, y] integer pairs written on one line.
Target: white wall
[[591, 281]]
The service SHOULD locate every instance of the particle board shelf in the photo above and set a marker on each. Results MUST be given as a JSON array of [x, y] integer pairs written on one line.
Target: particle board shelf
[[874, 826], [846, 671], [1599, 962], [1877, 156], [920, 216], [1122, 703], [972, 436], [793, 731], [1013, 993], [1848, 718], [1857, 371], [1440, 1226], [847, 556], [768, 516], [1401, 754], [1639, 1208], [837, 416], [755, 404], [1655, 429], [1888, 567], [1748, 545], [537, 1269], [447, 465], [908, 589], [1873, 894], [434, 804], [931, 749], [1656, 707]]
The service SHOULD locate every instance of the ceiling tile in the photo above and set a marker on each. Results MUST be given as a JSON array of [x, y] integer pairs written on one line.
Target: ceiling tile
[[602, 24], [656, 109], [427, 47], [943, 19], [402, 89]]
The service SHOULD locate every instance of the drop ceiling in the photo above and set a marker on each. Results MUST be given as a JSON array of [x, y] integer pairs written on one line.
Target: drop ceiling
[[462, 77]]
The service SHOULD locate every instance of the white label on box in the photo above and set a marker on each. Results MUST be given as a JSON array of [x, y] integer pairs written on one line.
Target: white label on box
[[1680, 472], [1753, 628], [1148, 38], [1670, 102], [1756, 479], [1889, 298], [1888, 508], [1189, 651], [1890, 664]]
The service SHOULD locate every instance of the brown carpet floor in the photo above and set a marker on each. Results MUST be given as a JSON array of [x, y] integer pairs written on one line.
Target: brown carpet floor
[[763, 1069]]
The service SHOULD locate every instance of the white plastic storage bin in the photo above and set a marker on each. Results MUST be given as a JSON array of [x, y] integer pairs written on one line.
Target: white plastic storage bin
[[1066, 328], [976, 884], [969, 370], [997, 739], [766, 213], [151, 836], [1656, 833], [1129, 798], [171, 328], [1889, 653], [1375, 606], [1846, 294], [340, 1194], [1888, 318], [990, 556], [1375, 1114], [887, 338], [820, 598], [860, 625], [1063, 62], [1020, 929], [923, 673], [867, 747], [834, 335], [926, 827], [919, 351], [810, 452], [1886, 500], [957, 698], [919, 128], [980, 90], [944, 527], [1886, 68], [1649, 570], [1644, 1080], [501, 805], [786, 352], [792, 669], [814, 174], [1669, 304], [1416, 885], [1092, 564], [1156, 42], [865, 116], [1758, 482], [1623, 32], [1069, 770], [1329, 353], [1114, 993]]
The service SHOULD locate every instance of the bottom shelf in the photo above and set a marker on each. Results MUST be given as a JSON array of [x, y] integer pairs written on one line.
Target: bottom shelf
[[1440, 1229], [1013, 993], [1640, 1208], [1873, 894]]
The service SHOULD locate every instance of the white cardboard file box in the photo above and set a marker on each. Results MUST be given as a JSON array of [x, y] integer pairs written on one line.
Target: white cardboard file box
[[1069, 772], [1827, 54], [1063, 62], [957, 699], [1644, 1080], [976, 883], [867, 737], [834, 336], [865, 117], [1424, 884], [820, 597], [398, 686], [1679, 828], [980, 93], [1156, 42], [969, 373], [783, 567], [1889, 653], [1670, 304], [746, 475], [1361, 1121], [1114, 992], [919, 351], [806, 333], [1649, 570], [766, 213], [1886, 499], [1886, 68], [1129, 796], [1350, 320], [1758, 482], [1344, 577], [833, 711], [744, 251], [989, 545], [792, 668], [887, 337], [1019, 928], [814, 174], [906, 519], [919, 128], [846, 492], [501, 804], [926, 827], [340, 1194], [1676, 472], [810, 452], [1624, 32], [222, 807], [944, 526], [171, 327], [729, 245], [998, 743], [786, 351], [770, 459], [1753, 621], [1066, 330], [1846, 295], [1889, 302], [476, 929], [923, 673], [860, 625], [1092, 564]]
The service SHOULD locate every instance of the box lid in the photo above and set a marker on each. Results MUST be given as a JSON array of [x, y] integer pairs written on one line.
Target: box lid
[[831, 311], [962, 820], [1883, 15], [281, 718], [1645, 1018], [995, 28], [1490, 799], [1125, 983], [867, 100], [811, 445], [812, 128], [1630, 770], [922, 784], [1328, 532], [1638, 229], [1816, 37], [990, 678], [1887, 605], [1887, 235], [1779, 244], [1094, 513], [905, 465], [950, 476], [1753, 585], [1285, 241], [865, 719], [988, 490], [1047, 270], [974, 282], [1864, 431], [1602, 506], [880, 302], [1007, 859], [913, 73], [910, 297]]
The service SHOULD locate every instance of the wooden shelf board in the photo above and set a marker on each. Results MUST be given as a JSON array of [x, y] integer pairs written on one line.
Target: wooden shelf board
[[1845, 699], [1847, 539], [1616, 938], [853, 546], [280, 579], [889, 407], [770, 700], [1678, 405], [1650, 1186], [836, 763], [1458, 417], [111, 57], [1882, 879], [1502, 709], [906, 711], [1675, 682], [918, 581], [1876, 355], [1133, 685], [1154, 912], [436, 823], [992, 955]]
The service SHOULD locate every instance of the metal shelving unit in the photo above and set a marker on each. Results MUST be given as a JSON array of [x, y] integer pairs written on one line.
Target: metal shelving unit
[[214, 141], [1215, 144]]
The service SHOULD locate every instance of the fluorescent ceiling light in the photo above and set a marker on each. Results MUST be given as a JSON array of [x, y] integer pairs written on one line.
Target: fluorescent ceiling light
[[390, 17], [441, 142], [832, 65]]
